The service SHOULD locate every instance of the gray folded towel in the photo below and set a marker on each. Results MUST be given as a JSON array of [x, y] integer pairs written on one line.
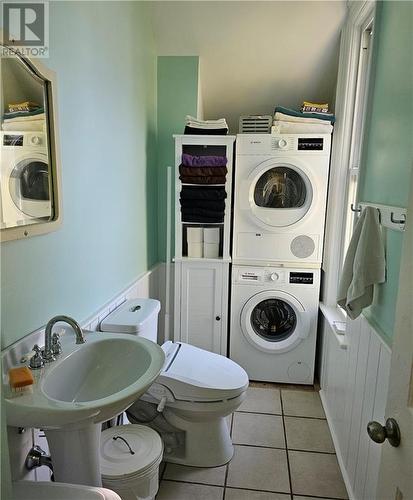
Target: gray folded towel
[[364, 265]]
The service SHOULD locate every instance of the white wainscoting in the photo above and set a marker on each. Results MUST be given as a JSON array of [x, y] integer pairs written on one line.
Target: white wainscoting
[[354, 385]]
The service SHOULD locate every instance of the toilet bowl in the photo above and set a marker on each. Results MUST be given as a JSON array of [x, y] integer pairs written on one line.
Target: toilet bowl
[[190, 399]]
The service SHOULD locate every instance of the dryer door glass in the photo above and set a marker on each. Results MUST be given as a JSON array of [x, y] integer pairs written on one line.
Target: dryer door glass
[[273, 320], [280, 187], [29, 188]]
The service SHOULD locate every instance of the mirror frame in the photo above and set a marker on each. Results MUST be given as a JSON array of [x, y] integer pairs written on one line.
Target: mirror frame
[[49, 77]]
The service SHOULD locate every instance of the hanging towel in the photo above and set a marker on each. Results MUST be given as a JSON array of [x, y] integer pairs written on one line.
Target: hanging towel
[[364, 265]]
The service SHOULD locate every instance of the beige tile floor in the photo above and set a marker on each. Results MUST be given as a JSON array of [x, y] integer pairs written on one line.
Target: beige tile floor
[[283, 451]]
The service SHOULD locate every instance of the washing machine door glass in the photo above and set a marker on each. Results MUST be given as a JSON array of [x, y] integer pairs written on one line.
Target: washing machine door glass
[[280, 195], [273, 320], [29, 187]]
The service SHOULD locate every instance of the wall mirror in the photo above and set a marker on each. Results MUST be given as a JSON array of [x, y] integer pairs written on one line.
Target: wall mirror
[[29, 154]]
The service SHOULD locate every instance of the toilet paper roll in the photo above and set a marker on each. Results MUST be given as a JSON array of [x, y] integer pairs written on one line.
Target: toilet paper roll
[[195, 234], [211, 234]]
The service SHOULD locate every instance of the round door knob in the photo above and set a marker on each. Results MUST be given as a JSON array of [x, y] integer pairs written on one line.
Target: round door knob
[[274, 276], [282, 143], [379, 433], [218, 318], [35, 140]]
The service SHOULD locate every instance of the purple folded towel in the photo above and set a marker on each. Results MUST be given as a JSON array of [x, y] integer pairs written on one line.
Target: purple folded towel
[[203, 161]]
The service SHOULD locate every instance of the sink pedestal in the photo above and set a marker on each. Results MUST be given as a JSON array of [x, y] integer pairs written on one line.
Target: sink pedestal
[[76, 454]]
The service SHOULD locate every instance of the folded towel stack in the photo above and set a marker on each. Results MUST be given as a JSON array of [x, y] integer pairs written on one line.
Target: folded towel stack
[[24, 120], [203, 169], [290, 121], [205, 127], [206, 203]]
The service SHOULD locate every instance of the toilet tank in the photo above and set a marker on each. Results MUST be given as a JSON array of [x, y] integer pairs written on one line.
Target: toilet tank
[[136, 316]]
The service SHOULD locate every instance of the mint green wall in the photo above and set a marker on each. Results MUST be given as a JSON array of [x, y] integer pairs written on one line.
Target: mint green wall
[[104, 57], [387, 162], [177, 97]]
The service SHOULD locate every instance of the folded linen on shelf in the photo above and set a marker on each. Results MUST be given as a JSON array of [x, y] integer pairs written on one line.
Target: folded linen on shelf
[[189, 179], [282, 127], [208, 212], [201, 219], [205, 127], [203, 161], [204, 193], [26, 126], [23, 114], [204, 131], [23, 106], [218, 205], [28, 118], [203, 171], [221, 122], [292, 115]]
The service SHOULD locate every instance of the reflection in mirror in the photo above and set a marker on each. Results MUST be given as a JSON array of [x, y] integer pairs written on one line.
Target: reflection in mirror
[[26, 175]]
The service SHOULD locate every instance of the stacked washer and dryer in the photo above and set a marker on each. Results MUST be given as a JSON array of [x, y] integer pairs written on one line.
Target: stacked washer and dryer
[[279, 216]]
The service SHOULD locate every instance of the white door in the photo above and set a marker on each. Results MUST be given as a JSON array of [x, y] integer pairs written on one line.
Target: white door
[[203, 317], [396, 471]]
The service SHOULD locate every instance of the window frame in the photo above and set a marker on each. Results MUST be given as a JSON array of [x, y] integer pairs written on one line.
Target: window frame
[[347, 141]]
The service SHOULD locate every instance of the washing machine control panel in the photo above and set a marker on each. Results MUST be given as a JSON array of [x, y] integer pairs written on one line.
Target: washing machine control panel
[[262, 276], [302, 278], [267, 276]]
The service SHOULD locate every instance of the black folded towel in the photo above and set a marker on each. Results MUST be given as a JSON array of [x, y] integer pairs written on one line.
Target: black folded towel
[[207, 212], [205, 131], [189, 179], [218, 205], [202, 171], [202, 218], [204, 193]]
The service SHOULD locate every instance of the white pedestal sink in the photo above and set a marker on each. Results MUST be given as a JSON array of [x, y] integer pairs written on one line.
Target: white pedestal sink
[[87, 385]]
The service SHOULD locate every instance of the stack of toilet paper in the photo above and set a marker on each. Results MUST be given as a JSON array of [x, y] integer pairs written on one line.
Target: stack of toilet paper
[[203, 242]]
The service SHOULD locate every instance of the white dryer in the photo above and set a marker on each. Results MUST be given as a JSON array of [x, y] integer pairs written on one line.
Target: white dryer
[[25, 179], [280, 199], [274, 322]]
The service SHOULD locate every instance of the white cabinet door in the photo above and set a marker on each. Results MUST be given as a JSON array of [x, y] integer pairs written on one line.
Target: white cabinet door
[[202, 309]]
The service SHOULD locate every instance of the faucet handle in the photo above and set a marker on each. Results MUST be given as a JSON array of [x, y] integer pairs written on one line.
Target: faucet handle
[[56, 345], [36, 361]]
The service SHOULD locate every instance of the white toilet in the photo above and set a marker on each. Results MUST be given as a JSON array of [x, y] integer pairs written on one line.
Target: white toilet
[[190, 399]]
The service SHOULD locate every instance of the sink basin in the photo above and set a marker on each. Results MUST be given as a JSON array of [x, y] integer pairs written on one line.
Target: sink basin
[[88, 383], [34, 490]]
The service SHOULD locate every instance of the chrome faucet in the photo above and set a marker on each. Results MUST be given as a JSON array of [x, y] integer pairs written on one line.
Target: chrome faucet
[[48, 353]]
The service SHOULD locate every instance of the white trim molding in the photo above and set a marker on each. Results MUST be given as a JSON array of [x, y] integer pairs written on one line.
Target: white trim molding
[[359, 13]]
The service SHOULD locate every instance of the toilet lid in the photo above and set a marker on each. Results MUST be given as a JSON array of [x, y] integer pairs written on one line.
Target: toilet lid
[[194, 374]]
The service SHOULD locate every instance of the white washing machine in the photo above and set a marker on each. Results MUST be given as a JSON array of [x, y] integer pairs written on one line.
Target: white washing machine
[[25, 179], [280, 199], [274, 322]]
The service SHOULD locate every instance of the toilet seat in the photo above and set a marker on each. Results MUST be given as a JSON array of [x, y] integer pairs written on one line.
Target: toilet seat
[[193, 374]]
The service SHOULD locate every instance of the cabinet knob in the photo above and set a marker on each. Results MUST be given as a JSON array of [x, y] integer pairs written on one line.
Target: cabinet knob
[[379, 433], [218, 318]]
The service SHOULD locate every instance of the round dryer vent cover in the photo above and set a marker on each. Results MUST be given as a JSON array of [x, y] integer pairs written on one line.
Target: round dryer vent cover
[[302, 246]]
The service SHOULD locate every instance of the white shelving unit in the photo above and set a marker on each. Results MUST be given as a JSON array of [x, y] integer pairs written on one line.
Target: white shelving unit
[[201, 284]]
